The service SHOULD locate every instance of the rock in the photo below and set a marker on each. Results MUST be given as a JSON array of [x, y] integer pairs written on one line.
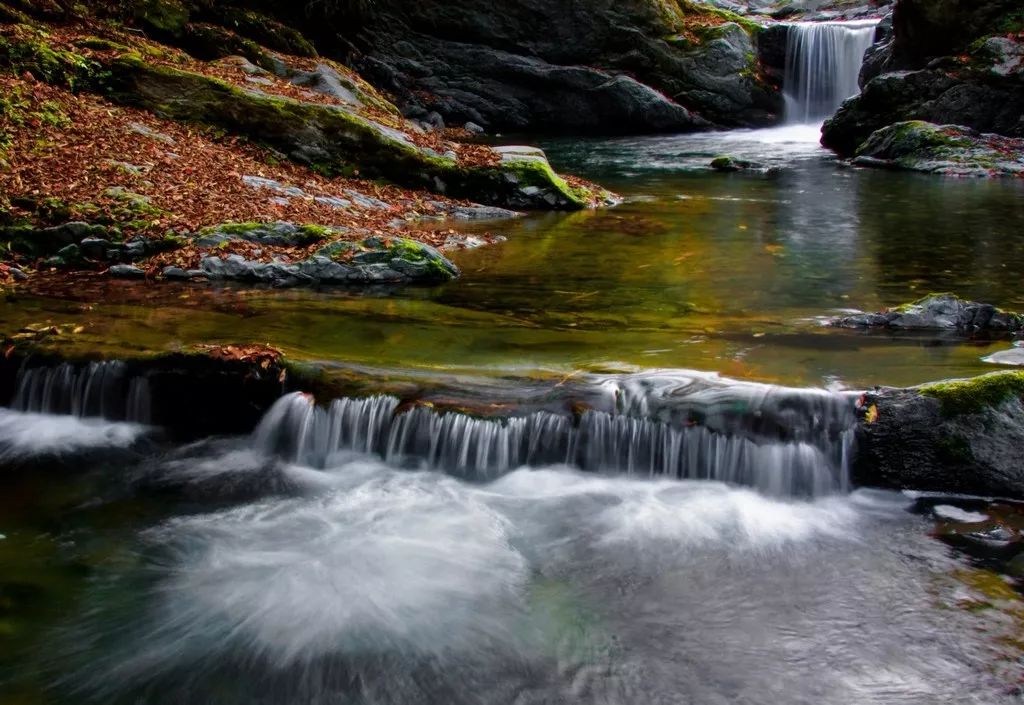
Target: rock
[[328, 136], [17, 274], [948, 63], [373, 260], [1013, 356], [40, 242], [961, 436], [473, 129], [435, 120], [95, 247], [141, 129], [568, 66], [279, 234], [326, 80], [938, 312], [482, 213], [175, 273], [258, 182], [127, 271], [728, 163], [942, 149]]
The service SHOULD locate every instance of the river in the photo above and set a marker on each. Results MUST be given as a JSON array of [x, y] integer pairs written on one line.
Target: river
[[306, 563]]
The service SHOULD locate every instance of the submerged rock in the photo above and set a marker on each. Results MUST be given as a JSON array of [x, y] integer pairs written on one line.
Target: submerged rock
[[959, 436], [942, 149], [728, 163], [938, 312]]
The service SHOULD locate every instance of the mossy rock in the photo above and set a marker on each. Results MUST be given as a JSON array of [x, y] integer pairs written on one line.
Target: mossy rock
[[30, 51], [164, 17], [331, 139], [210, 42], [262, 29], [977, 394]]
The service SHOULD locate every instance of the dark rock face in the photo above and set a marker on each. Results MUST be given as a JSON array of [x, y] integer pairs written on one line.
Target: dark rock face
[[949, 62], [960, 437], [563, 65], [938, 312]]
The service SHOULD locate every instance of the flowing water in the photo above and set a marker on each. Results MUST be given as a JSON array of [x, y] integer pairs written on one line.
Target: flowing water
[[823, 61], [581, 504]]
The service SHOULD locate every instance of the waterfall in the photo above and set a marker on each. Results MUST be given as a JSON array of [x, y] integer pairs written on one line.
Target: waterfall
[[94, 390], [483, 448], [823, 61]]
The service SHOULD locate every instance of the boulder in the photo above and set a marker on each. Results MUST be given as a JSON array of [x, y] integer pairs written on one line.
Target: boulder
[[942, 149], [959, 436], [938, 312], [948, 62], [333, 138], [598, 66]]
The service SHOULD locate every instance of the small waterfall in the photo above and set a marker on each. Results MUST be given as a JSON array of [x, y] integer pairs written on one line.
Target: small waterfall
[[823, 61], [476, 448], [95, 390]]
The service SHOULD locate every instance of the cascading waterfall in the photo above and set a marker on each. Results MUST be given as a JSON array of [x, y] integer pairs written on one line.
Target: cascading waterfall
[[823, 61], [477, 448], [96, 390]]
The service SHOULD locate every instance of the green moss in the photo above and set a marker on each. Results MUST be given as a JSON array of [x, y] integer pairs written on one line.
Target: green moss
[[260, 28], [30, 51], [974, 395], [164, 16]]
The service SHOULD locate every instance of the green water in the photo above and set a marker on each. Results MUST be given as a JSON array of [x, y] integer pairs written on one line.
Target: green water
[[730, 273]]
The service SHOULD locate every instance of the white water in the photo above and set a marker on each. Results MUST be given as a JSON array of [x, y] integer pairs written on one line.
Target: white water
[[645, 438], [26, 435], [102, 390], [823, 61]]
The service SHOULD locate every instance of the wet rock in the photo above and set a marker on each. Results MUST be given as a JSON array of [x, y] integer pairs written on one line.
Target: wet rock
[[938, 312], [727, 163], [960, 436], [1013, 356], [127, 271], [482, 213], [942, 149]]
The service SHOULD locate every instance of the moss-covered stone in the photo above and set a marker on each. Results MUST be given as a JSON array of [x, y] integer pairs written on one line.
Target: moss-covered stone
[[29, 50], [974, 395], [262, 29], [164, 16], [942, 149], [331, 138]]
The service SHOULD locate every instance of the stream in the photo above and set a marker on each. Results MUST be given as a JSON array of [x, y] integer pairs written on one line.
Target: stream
[[349, 555]]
